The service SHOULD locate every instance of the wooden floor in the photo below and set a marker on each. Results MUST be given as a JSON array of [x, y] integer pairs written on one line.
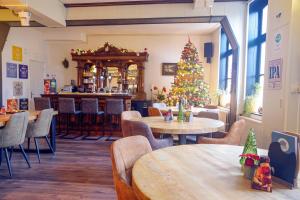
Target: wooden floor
[[80, 170]]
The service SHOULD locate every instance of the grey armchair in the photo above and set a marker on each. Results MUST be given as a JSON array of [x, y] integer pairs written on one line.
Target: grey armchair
[[140, 128], [40, 129], [128, 115], [13, 134]]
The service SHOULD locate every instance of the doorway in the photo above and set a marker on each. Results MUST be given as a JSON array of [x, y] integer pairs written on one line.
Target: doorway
[[37, 69]]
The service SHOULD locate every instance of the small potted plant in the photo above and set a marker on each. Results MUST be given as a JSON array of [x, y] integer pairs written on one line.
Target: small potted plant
[[250, 164], [159, 95]]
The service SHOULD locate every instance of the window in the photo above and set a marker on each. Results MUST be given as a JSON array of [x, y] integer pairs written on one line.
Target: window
[[257, 27], [225, 64]]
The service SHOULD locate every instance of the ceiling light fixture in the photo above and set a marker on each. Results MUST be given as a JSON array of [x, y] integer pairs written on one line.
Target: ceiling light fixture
[[24, 18]]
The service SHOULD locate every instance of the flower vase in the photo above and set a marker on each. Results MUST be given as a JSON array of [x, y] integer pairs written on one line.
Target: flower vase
[[248, 172]]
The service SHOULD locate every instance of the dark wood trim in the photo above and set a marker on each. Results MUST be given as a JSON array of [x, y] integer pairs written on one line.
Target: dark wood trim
[[234, 74], [4, 29], [1, 7], [18, 24], [126, 3], [162, 20]]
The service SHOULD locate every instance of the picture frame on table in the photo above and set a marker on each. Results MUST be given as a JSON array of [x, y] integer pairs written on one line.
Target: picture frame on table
[[169, 69]]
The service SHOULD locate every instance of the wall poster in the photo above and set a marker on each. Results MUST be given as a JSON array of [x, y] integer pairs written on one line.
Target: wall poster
[[274, 74], [17, 53], [23, 104], [23, 71], [17, 88], [11, 70]]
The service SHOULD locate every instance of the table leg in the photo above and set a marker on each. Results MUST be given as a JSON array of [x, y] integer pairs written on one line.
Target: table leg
[[182, 139], [53, 133]]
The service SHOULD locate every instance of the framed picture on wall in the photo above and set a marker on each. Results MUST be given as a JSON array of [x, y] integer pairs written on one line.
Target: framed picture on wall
[[169, 69]]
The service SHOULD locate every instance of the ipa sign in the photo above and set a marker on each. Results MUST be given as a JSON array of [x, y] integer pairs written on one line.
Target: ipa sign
[[275, 74]]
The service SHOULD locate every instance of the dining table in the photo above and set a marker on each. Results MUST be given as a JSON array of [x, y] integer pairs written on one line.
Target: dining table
[[197, 126], [33, 115], [202, 171]]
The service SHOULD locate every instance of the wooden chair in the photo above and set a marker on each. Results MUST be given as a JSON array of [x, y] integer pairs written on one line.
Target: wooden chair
[[128, 115], [233, 137], [124, 153], [152, 112], [211, 106], [207, 114]]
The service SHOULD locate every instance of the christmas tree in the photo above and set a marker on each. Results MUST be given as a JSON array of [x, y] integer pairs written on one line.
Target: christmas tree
[[188, 83], [250, 145]]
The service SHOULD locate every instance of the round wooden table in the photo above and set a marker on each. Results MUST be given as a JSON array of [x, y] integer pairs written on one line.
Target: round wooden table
[[197, 126], [198, 172]]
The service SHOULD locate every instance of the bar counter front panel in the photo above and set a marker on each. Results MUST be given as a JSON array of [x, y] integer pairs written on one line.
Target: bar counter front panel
[[101, 97]]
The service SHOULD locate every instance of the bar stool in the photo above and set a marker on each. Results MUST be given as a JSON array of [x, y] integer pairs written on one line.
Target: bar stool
[[114, 109], [66, 107], [90, 109], [41, 103]]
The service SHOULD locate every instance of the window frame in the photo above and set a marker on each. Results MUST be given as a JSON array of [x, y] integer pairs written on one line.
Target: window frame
[[225, 53], [256, 6]]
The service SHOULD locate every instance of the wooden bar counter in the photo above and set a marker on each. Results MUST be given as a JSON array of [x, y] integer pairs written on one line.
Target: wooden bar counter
[[101, 97]]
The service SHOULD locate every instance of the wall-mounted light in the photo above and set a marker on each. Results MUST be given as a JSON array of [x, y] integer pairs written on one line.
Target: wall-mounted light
[[65, 63], [24, 18]]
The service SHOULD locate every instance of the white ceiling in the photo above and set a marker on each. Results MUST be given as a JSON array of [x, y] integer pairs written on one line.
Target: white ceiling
[[143, 29], [94, 1]]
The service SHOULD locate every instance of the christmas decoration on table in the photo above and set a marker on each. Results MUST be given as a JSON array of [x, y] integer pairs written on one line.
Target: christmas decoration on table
[[251, 162], [262, 179], [168, 116], [158, 95], [250, 146], [189, 81]]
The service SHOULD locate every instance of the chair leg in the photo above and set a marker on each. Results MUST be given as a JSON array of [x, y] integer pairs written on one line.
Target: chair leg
[[24, 155], [11, 152], [37, 149], [8, 162], [48, 142], [28, 144]]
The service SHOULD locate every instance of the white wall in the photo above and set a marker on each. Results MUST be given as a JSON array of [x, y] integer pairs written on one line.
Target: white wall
[[280, 106], [161, 48], [33, 49]]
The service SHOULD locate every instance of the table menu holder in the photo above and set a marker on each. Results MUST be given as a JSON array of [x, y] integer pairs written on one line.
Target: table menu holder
[[284, 156]]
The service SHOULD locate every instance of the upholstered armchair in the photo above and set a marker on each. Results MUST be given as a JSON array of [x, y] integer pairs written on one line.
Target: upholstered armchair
[[13, 134], [124, 153], [128, 115], [40, 129], [233, 137], [140, 128]]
